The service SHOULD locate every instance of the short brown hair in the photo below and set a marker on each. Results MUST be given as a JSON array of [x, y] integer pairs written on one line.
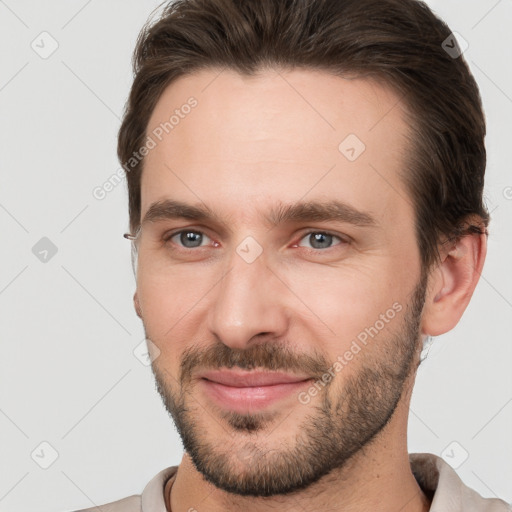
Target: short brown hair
[[398, 42]]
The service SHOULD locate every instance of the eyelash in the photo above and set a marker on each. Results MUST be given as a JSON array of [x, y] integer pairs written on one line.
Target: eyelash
[[343, 240]]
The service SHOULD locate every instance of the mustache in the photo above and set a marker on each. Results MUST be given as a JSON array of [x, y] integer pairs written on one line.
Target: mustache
[[270, 355]]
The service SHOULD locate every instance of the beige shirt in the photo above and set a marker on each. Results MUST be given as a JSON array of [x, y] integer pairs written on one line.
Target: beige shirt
[[434, 475]]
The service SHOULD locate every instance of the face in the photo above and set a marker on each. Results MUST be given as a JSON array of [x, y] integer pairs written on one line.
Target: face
[[277, 238]]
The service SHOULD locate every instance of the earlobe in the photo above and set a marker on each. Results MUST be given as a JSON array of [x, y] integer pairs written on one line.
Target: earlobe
[[452, 284], [136, 304]]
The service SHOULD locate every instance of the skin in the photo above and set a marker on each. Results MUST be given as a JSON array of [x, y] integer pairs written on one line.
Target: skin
[[249, 145]]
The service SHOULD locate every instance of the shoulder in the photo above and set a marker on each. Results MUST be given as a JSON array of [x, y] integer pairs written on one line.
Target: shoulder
[[440, 481], [129, 504], [151, 499]]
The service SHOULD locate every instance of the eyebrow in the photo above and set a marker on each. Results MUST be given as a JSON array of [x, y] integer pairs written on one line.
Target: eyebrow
[[320, 211], [295, 212]]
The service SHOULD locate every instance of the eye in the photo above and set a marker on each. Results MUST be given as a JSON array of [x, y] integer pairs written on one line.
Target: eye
[[319, 240], [188, 238]]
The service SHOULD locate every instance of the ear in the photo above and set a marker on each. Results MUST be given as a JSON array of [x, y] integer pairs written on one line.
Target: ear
[[136, 304], [452, 283]]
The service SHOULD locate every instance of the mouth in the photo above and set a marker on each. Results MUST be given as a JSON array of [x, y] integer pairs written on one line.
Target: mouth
[[243, 391]]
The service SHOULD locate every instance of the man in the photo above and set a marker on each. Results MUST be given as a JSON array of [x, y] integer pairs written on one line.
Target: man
[[305, 189]]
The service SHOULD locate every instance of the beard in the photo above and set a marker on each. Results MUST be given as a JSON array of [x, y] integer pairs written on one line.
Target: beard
[[337, 428]]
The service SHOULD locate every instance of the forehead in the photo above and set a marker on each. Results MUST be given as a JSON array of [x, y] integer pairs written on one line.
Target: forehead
[[236, 141]]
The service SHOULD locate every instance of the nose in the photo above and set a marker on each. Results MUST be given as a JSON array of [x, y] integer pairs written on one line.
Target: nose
[[248, 303]]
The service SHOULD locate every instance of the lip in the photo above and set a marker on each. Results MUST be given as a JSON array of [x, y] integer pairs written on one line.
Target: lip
[[241, 392], [243, 379]]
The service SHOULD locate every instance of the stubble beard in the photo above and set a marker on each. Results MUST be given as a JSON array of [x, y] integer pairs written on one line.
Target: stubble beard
[[334, 431]]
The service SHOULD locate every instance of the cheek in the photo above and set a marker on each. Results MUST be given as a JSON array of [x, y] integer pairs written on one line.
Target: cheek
[[169, 299], [344, 302], [332, 304]]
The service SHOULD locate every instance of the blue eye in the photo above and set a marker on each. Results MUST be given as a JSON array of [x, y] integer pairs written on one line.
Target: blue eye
[[316, 240], [189, 238], [319, 240]]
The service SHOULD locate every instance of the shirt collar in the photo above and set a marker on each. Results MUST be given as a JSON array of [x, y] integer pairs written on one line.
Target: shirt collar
[[439, 481], [152, 499]]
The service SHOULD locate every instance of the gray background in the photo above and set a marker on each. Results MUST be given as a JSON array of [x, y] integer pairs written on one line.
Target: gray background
[[68, 373]]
